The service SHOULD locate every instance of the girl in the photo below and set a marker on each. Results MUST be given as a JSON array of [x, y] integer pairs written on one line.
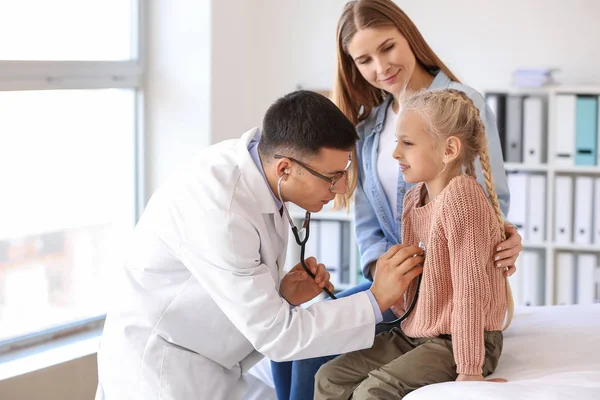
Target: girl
[[380, 51], [454, 332]]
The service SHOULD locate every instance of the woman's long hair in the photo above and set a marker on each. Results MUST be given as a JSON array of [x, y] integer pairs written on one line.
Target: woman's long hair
[[351, 92]]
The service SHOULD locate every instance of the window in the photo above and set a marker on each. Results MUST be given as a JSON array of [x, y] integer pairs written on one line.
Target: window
[[70, 97], [83, 30]]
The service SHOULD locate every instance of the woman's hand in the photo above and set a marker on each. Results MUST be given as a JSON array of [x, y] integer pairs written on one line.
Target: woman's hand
[[508, 251]]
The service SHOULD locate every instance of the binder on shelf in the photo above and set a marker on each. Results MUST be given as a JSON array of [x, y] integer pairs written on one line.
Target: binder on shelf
[[586, 134], [563, 210], [565, 279], [514, 129], [596, 227], [566, 105], [584, 189], [312, 245], [516, 286], [586, 266], [598, 128], [533, 279], [597, 284], [536, 226], [346, 253], [517, 214], [534, 131], [497, 103], [330, 249]]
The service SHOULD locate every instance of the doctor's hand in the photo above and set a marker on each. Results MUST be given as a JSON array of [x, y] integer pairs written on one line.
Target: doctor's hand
[[394, 272], [298, 287]]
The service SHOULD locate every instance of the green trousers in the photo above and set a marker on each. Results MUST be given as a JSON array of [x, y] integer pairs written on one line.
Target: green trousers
[[396, 365]]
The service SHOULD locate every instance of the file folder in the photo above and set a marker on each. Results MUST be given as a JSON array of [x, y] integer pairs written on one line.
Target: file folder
[[514, 129], [347, 249], [517, 214], [497, 103], [566, 105], [584, 189], [596, 227], [586, 130], [536, 226], [597, 281], [330, 249], [533, 279], [565, 279], [516, 286], [534, 131], [312, 245], [586, 266], [598, 128], [563, 210]]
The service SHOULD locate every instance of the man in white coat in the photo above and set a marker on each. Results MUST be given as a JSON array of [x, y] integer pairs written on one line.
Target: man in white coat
[[201, 299]]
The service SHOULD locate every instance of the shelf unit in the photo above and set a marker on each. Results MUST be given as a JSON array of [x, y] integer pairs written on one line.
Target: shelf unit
[[550, 248], [347, 219]]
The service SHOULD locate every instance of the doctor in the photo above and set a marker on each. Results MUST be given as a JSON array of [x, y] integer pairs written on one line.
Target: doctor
[[201, 299]]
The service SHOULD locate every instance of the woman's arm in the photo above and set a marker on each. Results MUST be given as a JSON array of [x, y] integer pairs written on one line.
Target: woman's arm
[[372, 243]]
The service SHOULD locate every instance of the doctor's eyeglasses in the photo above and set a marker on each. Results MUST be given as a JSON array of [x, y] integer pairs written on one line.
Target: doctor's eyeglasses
[[333, 180]]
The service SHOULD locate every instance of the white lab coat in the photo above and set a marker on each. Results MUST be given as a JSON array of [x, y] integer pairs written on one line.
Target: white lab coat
[[200, 303]]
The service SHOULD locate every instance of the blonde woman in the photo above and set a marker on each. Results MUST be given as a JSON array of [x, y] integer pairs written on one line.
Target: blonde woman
[[379, 52], [454, 332]]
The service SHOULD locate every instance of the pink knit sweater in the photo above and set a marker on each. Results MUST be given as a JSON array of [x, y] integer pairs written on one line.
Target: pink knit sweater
[[462, 294]]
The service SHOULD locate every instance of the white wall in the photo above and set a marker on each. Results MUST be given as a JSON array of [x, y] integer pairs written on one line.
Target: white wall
[[73, 380], [177, 85], [206, 79], [215, 66], [240, 67], [481, 41]]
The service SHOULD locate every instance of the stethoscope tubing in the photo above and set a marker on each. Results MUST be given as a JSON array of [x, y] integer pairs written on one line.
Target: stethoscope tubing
[[302, 244]]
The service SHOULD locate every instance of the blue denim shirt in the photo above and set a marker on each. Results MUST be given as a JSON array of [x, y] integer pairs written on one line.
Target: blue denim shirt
[[376, 229]]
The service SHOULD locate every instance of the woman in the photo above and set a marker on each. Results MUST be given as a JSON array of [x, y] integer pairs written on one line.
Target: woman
[[379, 53]]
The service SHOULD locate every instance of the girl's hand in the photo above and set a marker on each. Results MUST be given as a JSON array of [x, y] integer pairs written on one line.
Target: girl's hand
[[508, 251], [465, 378]]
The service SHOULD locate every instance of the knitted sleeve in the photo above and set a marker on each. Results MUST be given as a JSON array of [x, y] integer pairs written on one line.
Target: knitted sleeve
[[470, 244]]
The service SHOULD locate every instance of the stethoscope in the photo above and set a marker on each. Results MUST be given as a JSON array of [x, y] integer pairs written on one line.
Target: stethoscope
[[414, 300], [301, 241], [297, 235]]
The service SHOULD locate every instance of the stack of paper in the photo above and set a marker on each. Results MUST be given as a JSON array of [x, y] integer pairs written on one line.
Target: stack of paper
[[533, 77]]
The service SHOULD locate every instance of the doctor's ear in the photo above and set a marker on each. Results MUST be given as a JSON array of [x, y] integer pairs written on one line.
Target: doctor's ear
[[283, 167]]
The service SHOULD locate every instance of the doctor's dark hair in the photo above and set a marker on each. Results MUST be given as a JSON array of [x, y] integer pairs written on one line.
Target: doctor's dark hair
[[301, 123]]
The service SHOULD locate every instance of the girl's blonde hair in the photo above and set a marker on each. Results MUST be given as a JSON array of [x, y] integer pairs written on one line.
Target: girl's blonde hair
[[351, 92], [450, 112]]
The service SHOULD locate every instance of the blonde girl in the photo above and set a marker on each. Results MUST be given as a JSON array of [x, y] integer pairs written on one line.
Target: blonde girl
[[454, 332]]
